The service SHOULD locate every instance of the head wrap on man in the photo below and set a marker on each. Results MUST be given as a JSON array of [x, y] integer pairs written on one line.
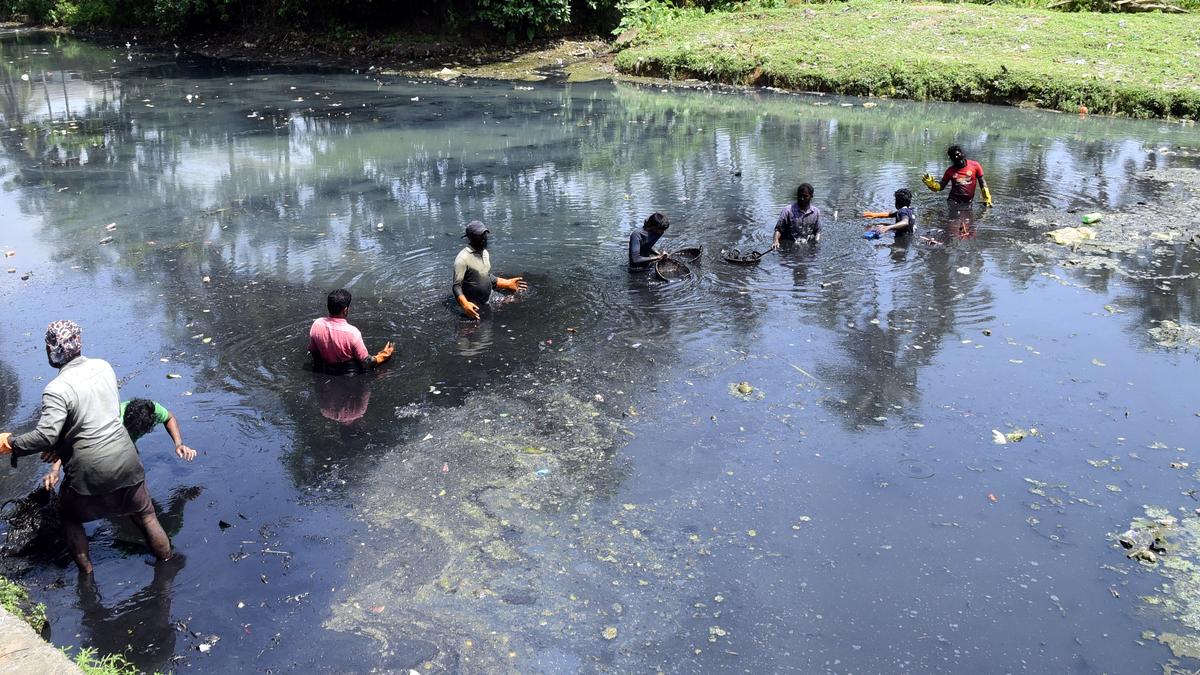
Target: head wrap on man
[[65, 341]]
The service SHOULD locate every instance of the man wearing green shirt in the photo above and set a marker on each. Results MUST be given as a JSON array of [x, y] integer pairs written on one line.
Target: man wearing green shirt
[[139, 417]]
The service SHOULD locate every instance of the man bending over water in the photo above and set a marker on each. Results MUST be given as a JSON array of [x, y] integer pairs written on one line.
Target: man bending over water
[[138, 416], [336, 346], [79, 425], [473, 278], [642, 254]]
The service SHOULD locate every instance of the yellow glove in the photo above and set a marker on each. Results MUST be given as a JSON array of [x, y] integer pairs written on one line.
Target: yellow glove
[[931, 183], [987, 197], [512, 285], [384, 354]]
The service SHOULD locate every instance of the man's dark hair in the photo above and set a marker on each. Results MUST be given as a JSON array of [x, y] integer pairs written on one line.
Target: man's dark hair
[[955, 149], [903, 197], [338, 301], [805, 190], [656, 221], [139, 417]]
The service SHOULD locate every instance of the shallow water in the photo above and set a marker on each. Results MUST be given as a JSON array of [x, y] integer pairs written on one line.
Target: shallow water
[[505, 492]]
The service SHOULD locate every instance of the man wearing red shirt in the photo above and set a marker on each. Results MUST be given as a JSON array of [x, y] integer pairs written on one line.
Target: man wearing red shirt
[[961, 178], [336, 346]]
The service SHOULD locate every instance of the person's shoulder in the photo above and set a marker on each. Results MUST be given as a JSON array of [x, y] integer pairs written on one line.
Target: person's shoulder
[[463, 253], [975, 165]]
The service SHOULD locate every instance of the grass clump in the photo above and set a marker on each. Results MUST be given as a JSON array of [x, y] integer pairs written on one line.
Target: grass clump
[[91, 663], [1140, 65], [16, 600]]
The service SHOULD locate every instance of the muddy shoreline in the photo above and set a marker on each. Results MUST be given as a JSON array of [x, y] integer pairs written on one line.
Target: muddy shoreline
[[418, 56]]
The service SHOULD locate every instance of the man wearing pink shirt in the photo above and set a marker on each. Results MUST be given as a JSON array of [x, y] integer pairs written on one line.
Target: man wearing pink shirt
[[336, 346]]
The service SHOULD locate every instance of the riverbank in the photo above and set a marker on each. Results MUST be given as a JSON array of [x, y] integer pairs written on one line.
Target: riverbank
[[1139, 65]]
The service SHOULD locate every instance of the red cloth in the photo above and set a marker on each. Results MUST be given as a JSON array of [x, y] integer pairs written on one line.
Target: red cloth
[[335, 341], [962, 181]]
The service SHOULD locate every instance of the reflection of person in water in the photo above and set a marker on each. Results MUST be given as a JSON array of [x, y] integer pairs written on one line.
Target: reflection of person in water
[[473, 278], [337, 347], [139, 416], [143, 620], [343, 399]]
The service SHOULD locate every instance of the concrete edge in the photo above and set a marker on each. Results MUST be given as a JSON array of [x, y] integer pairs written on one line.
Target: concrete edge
[[24, 651]]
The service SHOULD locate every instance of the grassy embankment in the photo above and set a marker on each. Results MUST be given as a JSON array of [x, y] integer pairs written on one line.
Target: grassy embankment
[[1141, 65]]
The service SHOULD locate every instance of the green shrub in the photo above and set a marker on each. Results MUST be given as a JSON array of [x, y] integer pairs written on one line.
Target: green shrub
[[91, 663], [16, 600]]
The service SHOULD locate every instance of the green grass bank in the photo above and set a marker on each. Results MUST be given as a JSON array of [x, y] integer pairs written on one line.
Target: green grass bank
[[1140, 65]]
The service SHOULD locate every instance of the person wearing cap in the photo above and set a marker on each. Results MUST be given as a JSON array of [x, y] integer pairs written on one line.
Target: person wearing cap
[[337, 347], [79, 424], [473, 278]]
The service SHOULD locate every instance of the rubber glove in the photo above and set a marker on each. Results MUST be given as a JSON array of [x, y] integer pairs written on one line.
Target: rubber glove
[[512, 285], [931, 183], [469, 308], [5, 446], [987, 197], [384, 354], [876, 214]]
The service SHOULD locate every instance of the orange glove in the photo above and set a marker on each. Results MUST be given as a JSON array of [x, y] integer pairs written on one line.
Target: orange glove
[[469, 308], [384, 354], [5, 446], [876, 214], [512, 285]]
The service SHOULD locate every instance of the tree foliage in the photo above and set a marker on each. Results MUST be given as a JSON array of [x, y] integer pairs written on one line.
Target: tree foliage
[[510, 19]]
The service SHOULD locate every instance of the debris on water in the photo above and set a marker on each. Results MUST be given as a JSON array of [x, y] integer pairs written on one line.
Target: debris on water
[[1069, 236], [1145, 539], [224, 525], [446, 74], [377, 609], [542, 472], [106, 240], [532, 450], [963, 270], [744, 391], [987, 332], [998, 438], [1098, 362], [1172, 334], [599, 398], [206, 280], [173, 376], [9, 254], [445, 467], [609, 633], [110, 227], [992, 498], [1179, 465]]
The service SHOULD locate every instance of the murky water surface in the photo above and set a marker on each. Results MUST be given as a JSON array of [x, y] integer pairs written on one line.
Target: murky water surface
[[575, 483]]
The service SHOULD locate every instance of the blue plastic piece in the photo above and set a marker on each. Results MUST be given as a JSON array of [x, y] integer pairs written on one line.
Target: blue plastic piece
[[870, 234]]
